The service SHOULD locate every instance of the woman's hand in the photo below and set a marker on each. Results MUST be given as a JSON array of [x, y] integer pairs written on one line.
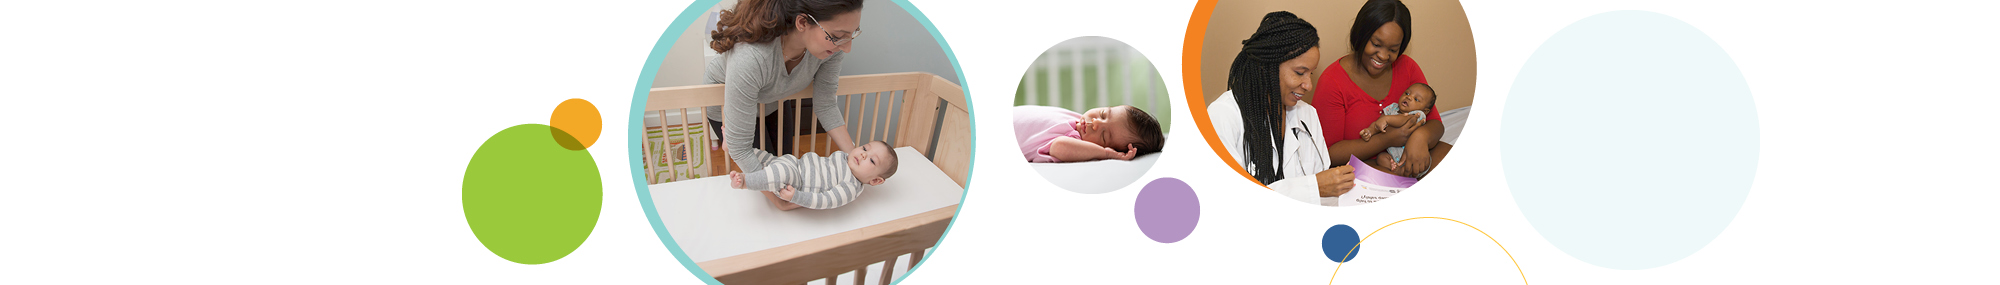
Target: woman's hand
[[1394, 135], [1416, 161], [840, 138], [1336, 181]]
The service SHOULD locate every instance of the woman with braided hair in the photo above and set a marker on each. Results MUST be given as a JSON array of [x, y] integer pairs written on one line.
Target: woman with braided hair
[[1261, 122]]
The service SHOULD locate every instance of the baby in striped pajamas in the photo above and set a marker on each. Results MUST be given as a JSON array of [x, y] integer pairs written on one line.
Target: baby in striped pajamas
[[820, 182]]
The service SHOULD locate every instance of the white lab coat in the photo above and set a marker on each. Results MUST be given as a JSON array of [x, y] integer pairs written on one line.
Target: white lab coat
[[1305, 147]]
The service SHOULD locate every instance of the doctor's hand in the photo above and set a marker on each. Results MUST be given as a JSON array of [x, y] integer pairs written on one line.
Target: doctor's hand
[[1336, 181]]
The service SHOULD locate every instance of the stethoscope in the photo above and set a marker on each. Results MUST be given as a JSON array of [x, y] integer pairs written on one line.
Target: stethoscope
[[1309, 139]]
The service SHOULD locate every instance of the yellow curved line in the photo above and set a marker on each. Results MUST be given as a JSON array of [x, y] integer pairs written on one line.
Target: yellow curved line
[[1357, 245]]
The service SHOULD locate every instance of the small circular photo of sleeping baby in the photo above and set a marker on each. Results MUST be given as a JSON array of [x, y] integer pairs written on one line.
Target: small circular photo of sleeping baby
[[792, 141], [1091, 115], [1324, 102]]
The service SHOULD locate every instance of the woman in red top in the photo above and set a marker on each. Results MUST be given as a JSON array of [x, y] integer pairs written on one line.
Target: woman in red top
[[1353, 90]]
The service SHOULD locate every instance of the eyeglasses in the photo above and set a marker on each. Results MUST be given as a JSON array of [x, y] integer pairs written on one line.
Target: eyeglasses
[[829, 35]]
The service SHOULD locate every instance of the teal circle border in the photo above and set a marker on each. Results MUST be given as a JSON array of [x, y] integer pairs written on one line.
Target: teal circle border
[[636, 127]]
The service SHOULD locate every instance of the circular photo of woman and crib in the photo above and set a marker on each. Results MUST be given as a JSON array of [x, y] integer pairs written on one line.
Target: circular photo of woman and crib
[[1091, 115], [793, 141], [1325, 102]]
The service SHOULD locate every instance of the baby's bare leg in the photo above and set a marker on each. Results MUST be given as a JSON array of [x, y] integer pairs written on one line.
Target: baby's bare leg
[[1381, 162]]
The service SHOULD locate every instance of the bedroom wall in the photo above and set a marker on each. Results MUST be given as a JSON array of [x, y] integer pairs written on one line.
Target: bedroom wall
[[1443, 44], [891, 41]]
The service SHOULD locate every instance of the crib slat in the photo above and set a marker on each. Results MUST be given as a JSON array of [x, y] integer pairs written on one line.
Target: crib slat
[[874, 125], [787, 129], [868, 118], [814, 122], [669, 142], [1052, 95], [882, 115], [1103, 77], [861, 275], [888, 270], [1076, 76], [860, 124], [646, 149]]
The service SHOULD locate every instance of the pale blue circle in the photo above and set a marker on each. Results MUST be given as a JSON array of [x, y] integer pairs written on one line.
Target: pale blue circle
[[1629, 140]]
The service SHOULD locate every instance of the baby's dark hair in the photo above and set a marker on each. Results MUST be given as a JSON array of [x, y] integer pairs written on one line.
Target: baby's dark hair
[[1434, 94], [893, 160], [1151, 137]]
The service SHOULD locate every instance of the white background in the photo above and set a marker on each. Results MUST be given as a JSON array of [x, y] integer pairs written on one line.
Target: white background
[[259, 142]]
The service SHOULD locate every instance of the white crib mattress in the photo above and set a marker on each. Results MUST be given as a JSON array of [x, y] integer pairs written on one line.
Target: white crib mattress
[[711, 221], [1094, 177]]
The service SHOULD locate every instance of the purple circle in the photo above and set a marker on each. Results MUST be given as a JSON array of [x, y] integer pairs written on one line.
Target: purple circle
[[1167, 210]]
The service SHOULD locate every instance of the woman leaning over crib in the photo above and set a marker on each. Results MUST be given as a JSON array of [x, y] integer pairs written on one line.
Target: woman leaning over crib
[[1354, 89], [771, 49], [1261, 122]]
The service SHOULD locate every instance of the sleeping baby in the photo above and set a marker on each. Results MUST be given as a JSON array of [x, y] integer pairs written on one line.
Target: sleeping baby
[[1411, 107], [820, 182], [1052, 134]]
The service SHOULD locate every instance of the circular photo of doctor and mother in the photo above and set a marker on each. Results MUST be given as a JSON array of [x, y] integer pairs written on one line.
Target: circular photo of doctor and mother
[[1326, 103]]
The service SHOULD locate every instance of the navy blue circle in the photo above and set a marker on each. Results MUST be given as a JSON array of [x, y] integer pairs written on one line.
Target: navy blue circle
[[1338, 241]]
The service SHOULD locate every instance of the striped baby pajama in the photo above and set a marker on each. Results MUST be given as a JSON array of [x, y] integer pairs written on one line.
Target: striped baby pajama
[[819, 182]]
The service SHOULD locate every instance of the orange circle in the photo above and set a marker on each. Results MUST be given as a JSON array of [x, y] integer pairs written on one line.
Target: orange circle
[[1191, 77], [576, 120]]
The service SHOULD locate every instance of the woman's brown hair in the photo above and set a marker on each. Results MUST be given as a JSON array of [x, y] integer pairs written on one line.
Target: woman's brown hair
[[756, 21]]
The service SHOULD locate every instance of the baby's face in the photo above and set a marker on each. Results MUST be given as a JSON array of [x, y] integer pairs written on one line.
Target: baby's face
[[1416, 98], [869, 160], [1106, 126]]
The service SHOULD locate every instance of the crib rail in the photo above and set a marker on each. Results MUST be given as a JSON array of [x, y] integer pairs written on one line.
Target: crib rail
[[828, 257], [914, 109]]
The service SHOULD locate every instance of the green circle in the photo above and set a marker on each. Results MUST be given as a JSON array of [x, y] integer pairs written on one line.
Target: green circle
[[528, 199]]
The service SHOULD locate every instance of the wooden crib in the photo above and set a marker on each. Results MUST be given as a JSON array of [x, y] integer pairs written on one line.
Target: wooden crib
[[914, 109]]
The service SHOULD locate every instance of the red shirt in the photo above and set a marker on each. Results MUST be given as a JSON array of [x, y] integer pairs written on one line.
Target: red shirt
[[1344, 110]]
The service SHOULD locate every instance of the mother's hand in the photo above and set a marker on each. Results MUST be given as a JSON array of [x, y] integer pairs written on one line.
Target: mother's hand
[[1415, 162], [1336, 181], [1395, 136], [840, 138]]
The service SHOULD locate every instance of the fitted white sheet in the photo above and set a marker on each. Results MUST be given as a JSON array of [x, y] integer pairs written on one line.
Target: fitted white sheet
[[1094, 177], [710, 221]]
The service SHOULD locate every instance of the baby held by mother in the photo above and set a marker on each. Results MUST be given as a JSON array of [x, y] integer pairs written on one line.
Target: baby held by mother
[[1373, 103]]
